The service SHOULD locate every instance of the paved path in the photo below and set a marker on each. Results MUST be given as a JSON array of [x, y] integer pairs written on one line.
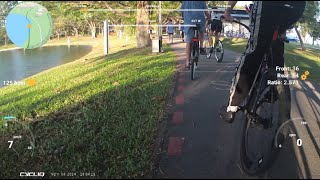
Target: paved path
[[200, 145]]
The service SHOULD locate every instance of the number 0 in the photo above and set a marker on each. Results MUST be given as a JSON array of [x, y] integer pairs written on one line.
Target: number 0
[[299, 142]]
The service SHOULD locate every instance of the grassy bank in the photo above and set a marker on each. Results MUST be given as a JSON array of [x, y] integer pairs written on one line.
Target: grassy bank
[[9, 46], [308, 60], [97, 115]]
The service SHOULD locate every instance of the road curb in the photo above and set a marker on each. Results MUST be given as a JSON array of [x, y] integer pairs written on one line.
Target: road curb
[[163, 126]]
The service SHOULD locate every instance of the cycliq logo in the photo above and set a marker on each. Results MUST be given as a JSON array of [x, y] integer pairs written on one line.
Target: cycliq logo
[[32, 174]]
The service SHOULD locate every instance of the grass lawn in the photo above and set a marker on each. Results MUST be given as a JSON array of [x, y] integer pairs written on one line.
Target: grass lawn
[[95, 115], [7, 46], [308, 60]]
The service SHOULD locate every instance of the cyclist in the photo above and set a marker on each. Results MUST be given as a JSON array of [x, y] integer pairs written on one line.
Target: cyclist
[[265, 15], [170, 31], [215, 27], [181, 30], [189, 16]]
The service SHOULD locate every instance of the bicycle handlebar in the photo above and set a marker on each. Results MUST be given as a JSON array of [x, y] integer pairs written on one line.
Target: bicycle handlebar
[[235, 21], [247, 27]]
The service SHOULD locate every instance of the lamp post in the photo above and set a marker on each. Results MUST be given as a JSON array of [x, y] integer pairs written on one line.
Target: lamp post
[[160, 27], [106, 37]]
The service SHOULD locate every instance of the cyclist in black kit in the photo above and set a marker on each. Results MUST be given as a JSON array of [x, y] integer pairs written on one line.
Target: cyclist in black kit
[[215, 27], [264, 17]]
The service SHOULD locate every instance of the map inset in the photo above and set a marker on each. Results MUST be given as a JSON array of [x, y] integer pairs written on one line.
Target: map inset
[[29, 25]]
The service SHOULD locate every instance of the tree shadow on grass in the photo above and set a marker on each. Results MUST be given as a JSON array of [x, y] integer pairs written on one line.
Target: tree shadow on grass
[[118, 68], [110, 133]]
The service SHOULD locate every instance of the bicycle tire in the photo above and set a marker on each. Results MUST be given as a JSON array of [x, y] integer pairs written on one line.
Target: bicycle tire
[[193, 70], [219, 59], [192, 60], [283, 96], [208, 53]]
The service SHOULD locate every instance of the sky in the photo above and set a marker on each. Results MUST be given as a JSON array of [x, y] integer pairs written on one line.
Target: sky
[[242, 3]]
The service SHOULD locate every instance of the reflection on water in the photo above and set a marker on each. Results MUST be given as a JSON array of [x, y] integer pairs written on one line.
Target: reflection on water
[[18, 64]]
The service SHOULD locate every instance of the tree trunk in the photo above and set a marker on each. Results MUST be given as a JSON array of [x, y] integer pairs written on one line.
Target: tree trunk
[[5, 40], [58, 35], [76, 32], [313, 41], [142, 37], [300, 39], [92, 26], [93, 33]]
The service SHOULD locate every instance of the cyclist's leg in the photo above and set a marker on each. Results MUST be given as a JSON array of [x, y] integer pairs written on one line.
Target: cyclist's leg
[[292, 15], [216, 38], [172, 37], [189, 32], [182, 36], [265, 16], [201, 37], [260, 39], [210, 38], [219, 29]]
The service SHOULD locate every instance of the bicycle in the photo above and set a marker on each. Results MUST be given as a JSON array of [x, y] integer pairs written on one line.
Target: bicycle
[[266, 107], [217, 50], [195, 50]]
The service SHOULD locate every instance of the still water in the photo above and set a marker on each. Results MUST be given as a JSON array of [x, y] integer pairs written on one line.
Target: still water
[[18, 64]]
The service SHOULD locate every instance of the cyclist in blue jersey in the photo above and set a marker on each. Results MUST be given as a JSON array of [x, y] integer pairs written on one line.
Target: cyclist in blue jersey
[[196, 10], [170, 31]]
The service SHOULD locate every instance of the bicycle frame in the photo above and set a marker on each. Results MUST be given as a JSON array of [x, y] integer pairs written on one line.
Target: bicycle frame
[[195, 44], [268, 58], [194, 51]]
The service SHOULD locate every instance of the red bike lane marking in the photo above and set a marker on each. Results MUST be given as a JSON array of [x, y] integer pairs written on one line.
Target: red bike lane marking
[[180, 88], [177, 117], [175, 145], [181, 80], [180, 100]]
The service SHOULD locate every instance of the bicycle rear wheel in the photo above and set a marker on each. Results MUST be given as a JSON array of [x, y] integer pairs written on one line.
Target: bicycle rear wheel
[[271, 108], [219, 51], [193, 70], [193, 59]]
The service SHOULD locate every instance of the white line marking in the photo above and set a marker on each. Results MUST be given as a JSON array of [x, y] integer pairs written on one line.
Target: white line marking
[[151, 9], [209, 71], [143, 25]]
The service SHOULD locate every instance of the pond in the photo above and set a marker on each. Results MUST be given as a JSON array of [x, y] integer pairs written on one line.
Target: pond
[[19, 64]]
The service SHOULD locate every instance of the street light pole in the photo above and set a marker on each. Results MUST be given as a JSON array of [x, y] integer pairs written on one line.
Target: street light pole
[[160, 32], [160, 27], [106, 37]]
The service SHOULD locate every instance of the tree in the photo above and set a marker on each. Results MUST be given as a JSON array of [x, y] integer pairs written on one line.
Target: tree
[[58, 13], [3, 36], [300, 39], [143, 39], [95, 19], [308, 20], [217, 3], [6, 7], [315, 31], [173, 15]]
